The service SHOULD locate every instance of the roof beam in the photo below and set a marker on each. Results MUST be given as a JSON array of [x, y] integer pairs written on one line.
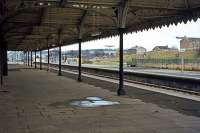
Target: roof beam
[[41, 15], [187, 4], [59, 33], [62, 2], [39, 21], [92, 2], [115, 4], [14, 14], [2, 10], [81, 24], [11, 28]]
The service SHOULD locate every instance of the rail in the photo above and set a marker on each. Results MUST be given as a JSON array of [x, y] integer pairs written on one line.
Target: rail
[[182, 84]]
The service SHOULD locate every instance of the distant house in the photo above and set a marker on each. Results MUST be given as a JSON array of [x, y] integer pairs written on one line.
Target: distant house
[[161, 48], [137, 50], [164, 48], [189, 43]]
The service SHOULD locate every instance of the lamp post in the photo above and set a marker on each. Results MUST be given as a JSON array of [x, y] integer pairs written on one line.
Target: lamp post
[[182, 59]]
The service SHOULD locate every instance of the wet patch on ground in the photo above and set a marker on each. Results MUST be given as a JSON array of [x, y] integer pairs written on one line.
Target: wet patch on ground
[[92, 102], [88, 102]]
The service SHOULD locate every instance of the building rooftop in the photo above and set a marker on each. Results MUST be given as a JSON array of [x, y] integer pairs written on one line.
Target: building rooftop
[[189, 38], [135, 47]]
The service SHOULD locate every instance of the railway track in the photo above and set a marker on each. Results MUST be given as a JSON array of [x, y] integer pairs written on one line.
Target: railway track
[[136, 82], [148, 84]]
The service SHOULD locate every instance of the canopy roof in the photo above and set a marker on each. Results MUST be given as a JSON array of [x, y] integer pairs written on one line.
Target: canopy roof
[[37, 24]]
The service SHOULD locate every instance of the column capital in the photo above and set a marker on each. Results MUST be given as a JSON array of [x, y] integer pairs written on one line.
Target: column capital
[[121, 30], [79, 40]]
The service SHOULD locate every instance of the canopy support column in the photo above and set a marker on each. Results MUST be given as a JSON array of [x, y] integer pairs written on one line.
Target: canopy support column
[[121, 15], [2, 13], [40, 59], [48, 62], [31, 58], [4, 58], [1, 64], [35, 59], [79, 60], [28, 59], [121, 90], [3, 42], [1, 60], [59, 65], [24, 57], [60, 52]]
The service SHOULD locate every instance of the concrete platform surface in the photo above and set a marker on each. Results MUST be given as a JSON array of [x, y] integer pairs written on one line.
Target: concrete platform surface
[[38, 102]]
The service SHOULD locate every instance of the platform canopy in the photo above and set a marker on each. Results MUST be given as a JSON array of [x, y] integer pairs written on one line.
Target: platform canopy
[[38, 24]]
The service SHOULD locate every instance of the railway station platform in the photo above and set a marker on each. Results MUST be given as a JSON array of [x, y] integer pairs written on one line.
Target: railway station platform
[[37, 101]]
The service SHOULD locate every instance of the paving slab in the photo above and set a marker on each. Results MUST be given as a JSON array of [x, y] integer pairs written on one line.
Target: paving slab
[[39, 102]]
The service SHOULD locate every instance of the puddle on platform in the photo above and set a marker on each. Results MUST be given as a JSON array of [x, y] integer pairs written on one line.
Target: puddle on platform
[[94, 98], [93, 102]]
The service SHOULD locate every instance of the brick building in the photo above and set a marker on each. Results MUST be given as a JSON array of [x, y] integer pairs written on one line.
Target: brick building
[[137, 50], [189, 43]]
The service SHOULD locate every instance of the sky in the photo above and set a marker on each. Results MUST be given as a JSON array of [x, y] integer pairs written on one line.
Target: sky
[[147, 39]]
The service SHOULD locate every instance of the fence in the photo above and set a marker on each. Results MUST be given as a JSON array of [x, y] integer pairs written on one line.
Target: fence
[[177, 63]]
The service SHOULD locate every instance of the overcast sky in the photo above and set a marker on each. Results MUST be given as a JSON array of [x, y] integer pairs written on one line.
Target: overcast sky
[[147, 39]]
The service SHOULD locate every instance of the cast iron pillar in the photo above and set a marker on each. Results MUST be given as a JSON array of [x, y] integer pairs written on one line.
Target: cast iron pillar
[[28, 59], [31, 58], [24, 57], [121, 90], [48, 63], [1, 60], [3, 44], [4, 58], [59, 65], [1, 65], [79, 60], [40, 59], [35, 59]]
